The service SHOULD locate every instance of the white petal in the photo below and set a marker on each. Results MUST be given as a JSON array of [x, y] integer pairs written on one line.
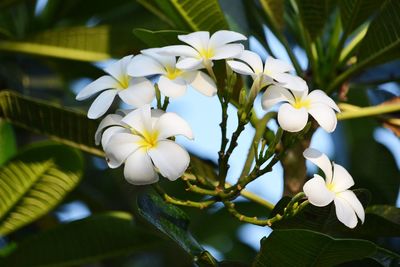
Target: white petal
[[101, 104], [223, 37], [291, 82], [170, 159], [118, 69], [109, 132], [139, 169], [109, 120], [321, 160], [275, 94], [342, 179], [318, 96], [166, 61], [273, 65], [189, 63], [172, 88], [140, 92], [102, 83], [119, 147], [253, 60], [141, 66], [317, 192], [201, 82], [345, 213], [353, 201], [324, 115], [240, 67], [227, 51], [291, 119], [139, 119], [179, 50], [170, 124], [198, 40]]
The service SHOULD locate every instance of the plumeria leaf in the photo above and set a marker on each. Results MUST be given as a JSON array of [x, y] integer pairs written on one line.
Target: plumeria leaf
[[78, 43], [35, 181], [313, 14], [157, 38], [63, 125], [382, 41], [174, 223], [165, 11], [84, 241], [196, 15], [201, 15], [310, 249], [8, 146], [355, 12], [274, 9]]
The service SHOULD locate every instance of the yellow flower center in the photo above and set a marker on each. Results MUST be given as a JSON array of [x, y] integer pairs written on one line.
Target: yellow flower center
[[206, 53], [149, 140], [298, 104], [330, 187], [173, 73], [124, 81]]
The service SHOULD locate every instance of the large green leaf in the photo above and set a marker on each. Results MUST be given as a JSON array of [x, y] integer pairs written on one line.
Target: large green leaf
[[8, 146], [63, 125], [314, 14], [307, 248], [355, 12], [36, 181], [201, 15], [79, 43], [382, 41], [157, 38], [173, 222], [274, 9], [198, 15], [80, 242]]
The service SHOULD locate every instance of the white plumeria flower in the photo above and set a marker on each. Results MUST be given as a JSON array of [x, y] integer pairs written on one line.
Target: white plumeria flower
[[141, 142], [172, 82], [293, 115], [133, 91], [334, 188], [250, 63], [203, 49]]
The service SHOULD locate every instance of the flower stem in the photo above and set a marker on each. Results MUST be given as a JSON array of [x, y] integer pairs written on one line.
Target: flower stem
[[260, 130], [188, 203]]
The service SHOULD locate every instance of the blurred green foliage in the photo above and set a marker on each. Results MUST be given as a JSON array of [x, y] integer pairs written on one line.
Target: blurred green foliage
[[352, 47]]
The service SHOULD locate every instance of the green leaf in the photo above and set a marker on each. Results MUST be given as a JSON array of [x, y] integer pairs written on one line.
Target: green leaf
[[308, 248], [274, 9], [355, 12], [79, 43], [314, 14], [174, 223], [35, 182], [158, 38], [80, 242], [382, 41], [201, 15], [60, 124], [8, 146], [164, 10]]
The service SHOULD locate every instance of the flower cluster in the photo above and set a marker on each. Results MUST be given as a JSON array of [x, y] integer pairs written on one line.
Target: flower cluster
[[143, 139]]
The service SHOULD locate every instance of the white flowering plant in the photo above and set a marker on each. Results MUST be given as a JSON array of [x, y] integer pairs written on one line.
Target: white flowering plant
[[313, 187]]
